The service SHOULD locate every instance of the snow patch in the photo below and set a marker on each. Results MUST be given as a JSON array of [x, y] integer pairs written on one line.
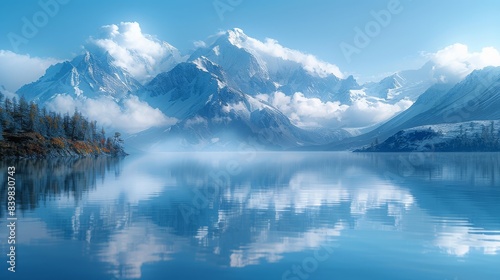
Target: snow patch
[[216, 50]]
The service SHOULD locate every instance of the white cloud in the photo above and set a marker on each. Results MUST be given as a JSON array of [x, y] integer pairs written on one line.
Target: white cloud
[[17, 70], [455, 62], [199, 44], [459, 240], [272, 48], [304, 111], [7, 93], [272, 249], [142, 55], [128, 250], [133, 116], [364, 112]]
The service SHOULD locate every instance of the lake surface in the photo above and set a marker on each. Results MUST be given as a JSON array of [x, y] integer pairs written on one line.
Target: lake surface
[[256, 216]]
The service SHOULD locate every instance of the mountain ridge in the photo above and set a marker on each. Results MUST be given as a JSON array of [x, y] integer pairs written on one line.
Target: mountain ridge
[[233, 80], [90, 75]]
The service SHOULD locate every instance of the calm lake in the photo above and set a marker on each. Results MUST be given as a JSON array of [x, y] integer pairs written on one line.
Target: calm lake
[[256, 216]]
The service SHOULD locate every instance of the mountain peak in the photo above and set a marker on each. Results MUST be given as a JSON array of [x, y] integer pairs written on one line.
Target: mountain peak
[[235, 37], [262, 67], [92, 74], [206, 65], [236, 31]]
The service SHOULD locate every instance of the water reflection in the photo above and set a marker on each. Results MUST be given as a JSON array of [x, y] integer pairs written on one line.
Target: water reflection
[[235, 211], [141, 243], [42, 179], [459, 237]]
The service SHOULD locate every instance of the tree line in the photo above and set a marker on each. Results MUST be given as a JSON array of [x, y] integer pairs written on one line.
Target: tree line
[[468, 140], [21, 116]]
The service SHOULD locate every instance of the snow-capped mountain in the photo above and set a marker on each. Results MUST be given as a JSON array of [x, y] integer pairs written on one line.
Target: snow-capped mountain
[[144, 67], [88, 75], [409, 117], [152, 67], [403, 84], [237, 89], [256, 67], [212, 113], [185, 89], [143, 55], [475, 98]]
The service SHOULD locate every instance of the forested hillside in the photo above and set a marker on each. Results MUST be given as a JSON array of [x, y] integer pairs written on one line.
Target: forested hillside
[[28, 131]]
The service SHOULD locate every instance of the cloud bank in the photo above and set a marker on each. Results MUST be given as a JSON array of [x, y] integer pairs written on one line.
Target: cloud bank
[[455, 62], [313, 112], [17, 70], [142, 55], [271, 48], [133, 116]]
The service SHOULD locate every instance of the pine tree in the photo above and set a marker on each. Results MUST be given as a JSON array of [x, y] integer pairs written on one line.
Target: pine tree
[[58, 130], [8, 111], [66, 121], [34, 124], [76, 124], [2, 100], [109, 144], [93, 131], [8, 106], [117, 140], [484, 134], [102, 137], [14, 105], [43, 126], [22, 114], [117, 144]]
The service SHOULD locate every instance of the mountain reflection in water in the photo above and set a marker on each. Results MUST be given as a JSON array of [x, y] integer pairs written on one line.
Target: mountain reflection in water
[[236, 214]]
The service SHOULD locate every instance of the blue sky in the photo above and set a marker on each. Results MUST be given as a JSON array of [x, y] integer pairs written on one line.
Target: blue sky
[[313, 26]]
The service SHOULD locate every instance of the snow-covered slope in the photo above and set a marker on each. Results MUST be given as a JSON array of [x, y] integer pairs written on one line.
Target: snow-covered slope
[[184, 90], [237, 88], [89, 75], [257, 67], [409, 117], [477, 97], [404, 84], [464, 136], [214, 115]]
